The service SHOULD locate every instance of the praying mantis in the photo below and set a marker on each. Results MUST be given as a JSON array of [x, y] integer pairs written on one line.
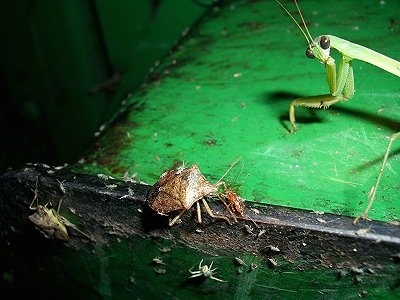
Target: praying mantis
[[341, 83]]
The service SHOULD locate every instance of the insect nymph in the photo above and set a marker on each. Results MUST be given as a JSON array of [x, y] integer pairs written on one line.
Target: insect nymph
[[48, 220]]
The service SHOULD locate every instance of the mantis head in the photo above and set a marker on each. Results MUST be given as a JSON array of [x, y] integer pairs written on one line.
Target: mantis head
[[317, 48]]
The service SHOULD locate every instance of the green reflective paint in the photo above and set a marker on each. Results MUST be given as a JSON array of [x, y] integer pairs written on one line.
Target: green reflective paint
[[225, 93], [125, 269]]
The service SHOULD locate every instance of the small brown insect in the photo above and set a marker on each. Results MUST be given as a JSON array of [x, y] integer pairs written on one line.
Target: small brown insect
[[233, 203], [236, 203], [178, 189], [48, 220]]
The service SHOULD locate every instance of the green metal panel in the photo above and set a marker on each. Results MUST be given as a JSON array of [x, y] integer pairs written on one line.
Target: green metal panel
[[225, 94], [138, 34]]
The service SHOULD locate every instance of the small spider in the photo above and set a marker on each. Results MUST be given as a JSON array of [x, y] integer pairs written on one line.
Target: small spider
[[205, 271]]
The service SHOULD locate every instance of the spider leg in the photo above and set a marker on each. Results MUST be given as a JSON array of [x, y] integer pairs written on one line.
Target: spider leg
[[217, 279], [212, 270], [195, 275], [211, 265], [200, 264]]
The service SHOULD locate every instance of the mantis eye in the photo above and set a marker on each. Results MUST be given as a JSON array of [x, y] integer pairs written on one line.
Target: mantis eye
[[324, 42], [309, 53]]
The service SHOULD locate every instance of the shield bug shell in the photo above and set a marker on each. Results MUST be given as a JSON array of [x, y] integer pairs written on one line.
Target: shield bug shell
[[178, 189]]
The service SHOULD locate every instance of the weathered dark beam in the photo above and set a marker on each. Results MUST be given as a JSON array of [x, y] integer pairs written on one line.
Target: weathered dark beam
[[104, 208]]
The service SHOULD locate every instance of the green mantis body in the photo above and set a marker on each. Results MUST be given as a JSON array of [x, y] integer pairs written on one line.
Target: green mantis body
[[341, 81]]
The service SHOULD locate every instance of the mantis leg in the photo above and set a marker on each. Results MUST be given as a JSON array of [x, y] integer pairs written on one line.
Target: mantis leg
[[372, 193], [341, 88]]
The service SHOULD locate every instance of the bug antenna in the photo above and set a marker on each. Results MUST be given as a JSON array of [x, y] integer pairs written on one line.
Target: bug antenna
[[36, 194], [304, 23], [240, 172], [230, 167], [308, 37]]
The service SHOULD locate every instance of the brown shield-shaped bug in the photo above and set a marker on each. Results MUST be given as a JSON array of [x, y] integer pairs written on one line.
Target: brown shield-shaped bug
[[180, 188]]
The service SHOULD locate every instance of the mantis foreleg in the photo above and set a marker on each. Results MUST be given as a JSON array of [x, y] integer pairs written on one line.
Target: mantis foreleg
[[340, 86]]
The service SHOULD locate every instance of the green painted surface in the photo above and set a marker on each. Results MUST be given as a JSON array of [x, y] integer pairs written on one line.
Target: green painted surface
[[125, 269], [225, 94], [142, 35]]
